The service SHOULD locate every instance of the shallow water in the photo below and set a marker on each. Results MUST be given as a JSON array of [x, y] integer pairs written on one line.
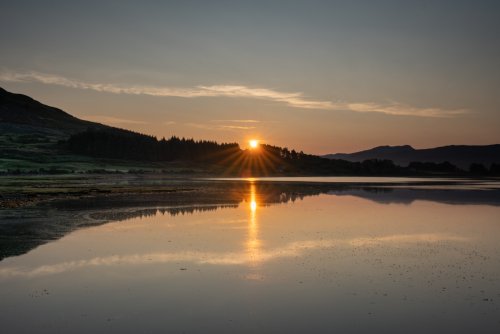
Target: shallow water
[[442, 183], [359, 260], [336, 179]]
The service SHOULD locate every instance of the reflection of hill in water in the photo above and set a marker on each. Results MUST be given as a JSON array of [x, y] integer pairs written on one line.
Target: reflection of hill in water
[[408, 196], [22, 230]]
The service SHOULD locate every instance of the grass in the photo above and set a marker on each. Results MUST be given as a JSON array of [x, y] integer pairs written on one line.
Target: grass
[[28, 150]]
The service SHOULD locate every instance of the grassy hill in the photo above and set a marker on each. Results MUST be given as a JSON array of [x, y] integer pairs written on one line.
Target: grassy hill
[[32, 137], [30, 115]]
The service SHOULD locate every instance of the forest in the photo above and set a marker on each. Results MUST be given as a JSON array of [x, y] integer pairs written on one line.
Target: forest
[[266, 160]]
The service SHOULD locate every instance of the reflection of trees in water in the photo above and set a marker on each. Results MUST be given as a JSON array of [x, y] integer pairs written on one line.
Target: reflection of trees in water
[[24, 229], [275, 193], [236, 193], [144, 213], [191, 210]]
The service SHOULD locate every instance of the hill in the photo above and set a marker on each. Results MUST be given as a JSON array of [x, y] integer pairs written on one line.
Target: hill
[[25, 112], [34, 139], [461, 156]]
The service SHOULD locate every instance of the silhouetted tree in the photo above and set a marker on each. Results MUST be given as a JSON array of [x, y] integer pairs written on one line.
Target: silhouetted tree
[[478, 169], [495, 170], [432, 167], [128, 145]]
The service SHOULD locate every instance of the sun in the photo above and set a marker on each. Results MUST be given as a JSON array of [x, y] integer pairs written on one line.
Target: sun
[[254, 143]]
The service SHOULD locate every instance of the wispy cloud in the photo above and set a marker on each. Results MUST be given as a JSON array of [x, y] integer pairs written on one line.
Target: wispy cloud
[[111, 120], [295, 100], [400, 109], [235, 121], [237, 127], [219, 127]]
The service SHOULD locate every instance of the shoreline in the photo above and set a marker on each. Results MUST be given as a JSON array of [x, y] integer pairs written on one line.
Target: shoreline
[[21, 191]]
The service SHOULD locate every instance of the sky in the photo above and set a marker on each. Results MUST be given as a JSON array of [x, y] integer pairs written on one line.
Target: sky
[[318, 76]]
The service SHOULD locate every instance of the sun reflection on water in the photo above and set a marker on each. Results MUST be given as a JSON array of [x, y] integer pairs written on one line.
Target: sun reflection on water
[[253, 206], [253, 243]]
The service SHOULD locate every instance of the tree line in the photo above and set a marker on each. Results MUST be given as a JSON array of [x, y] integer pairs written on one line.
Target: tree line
[[267, 160], [128, 145]]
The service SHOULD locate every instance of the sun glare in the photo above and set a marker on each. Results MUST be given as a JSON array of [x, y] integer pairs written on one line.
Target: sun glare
[[253, 143]]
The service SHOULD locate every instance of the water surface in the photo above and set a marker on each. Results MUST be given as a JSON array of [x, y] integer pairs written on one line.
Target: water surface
[[275, 259]]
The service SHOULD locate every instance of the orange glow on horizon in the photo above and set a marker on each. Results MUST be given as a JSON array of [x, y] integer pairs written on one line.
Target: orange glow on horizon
[[252, 161]]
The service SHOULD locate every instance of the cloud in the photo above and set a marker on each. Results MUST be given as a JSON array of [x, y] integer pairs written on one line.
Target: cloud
[[237, 127], [235, 121], [403, 110], [295, 100], [111, 120], [219, 127]]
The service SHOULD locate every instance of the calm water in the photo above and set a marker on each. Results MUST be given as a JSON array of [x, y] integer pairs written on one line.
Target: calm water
[[337, 179], [275, 259]]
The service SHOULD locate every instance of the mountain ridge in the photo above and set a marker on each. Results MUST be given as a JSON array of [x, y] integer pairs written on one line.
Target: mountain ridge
[[23, 110], [459, 155]]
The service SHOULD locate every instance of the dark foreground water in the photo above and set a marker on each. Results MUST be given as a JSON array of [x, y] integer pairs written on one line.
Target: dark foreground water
[[403, 259]]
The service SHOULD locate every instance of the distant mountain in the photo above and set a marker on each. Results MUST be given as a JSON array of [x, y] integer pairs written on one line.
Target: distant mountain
[[459, 155], [21, 111]]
